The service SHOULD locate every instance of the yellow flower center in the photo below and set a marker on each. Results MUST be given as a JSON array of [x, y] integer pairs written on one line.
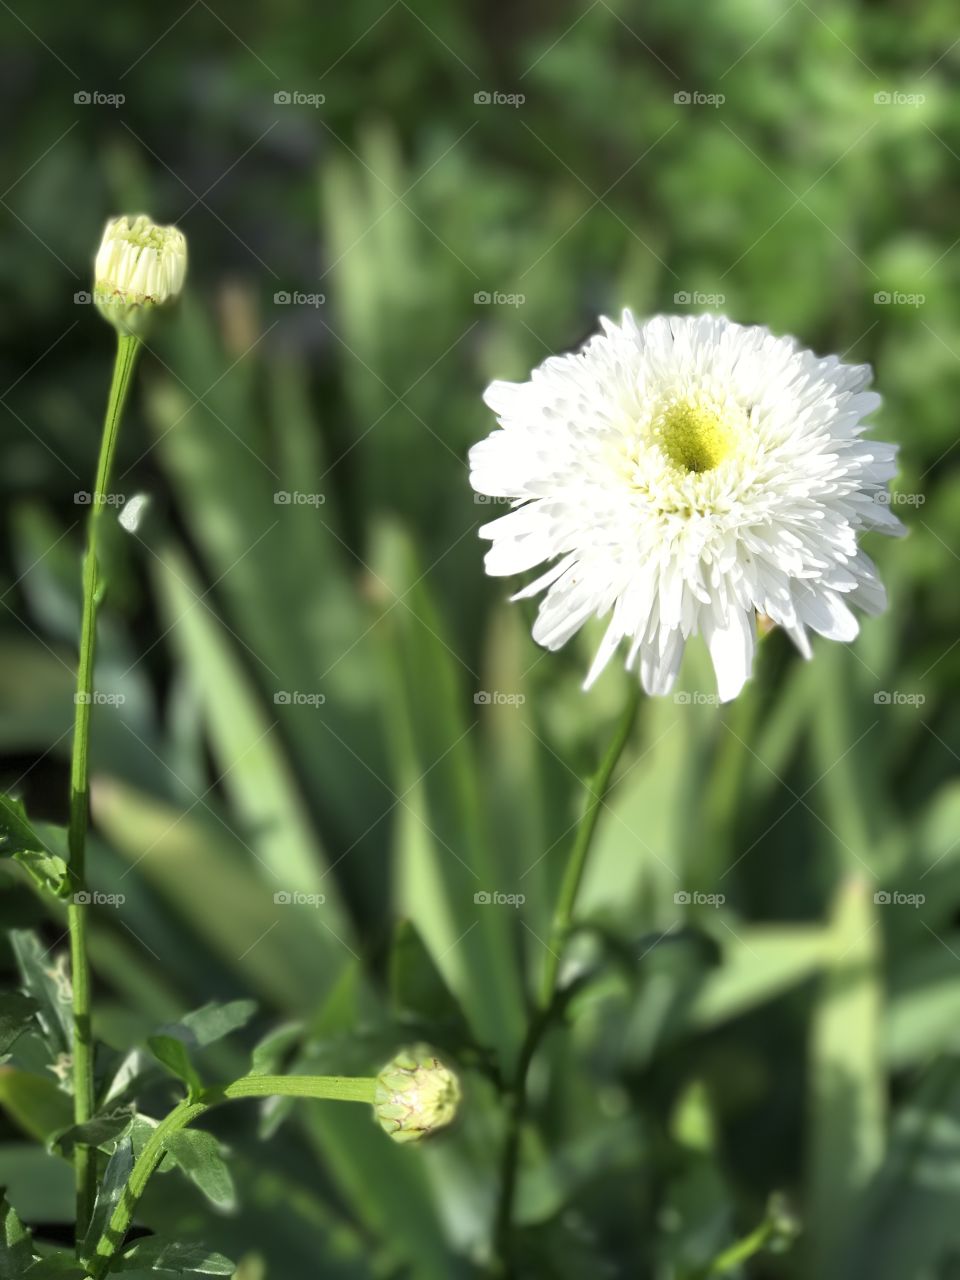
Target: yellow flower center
[[694, 437]]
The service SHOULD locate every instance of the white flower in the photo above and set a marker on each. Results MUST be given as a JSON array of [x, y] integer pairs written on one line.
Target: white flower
[[682, 476], [139, 265]]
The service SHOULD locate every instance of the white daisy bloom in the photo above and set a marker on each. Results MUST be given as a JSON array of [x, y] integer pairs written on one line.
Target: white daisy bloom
[[139, 265], [682, 476]]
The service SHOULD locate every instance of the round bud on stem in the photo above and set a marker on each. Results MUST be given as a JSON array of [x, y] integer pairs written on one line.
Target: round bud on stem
[[416, 1094], [139, 266]]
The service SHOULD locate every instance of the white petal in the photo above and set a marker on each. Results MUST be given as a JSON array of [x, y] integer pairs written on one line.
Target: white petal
[[731, 646]]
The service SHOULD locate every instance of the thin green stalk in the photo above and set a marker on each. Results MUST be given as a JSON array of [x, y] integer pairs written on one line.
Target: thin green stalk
[[335, 1088], [741, 1250], [83, 1092], [597, 789]]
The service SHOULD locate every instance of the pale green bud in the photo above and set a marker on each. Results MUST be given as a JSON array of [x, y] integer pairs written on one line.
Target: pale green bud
[[139, 266], [416, 1094]]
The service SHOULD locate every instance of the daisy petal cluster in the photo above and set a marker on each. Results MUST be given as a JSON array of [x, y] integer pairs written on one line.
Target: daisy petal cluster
[[681, 477], [139, 265]]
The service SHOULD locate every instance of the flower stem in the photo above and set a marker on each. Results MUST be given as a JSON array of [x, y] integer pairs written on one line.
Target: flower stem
[[83, 1090], [741, 1251], [597, 789], [335, 1088]]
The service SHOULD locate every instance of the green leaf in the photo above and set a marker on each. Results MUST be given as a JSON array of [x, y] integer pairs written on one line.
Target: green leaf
[[759, 964], [156, 1254], [212, 1021], [58, 1266], [16, 1015], [417, 987], [847, 1082], [35, 1103], [174, 1056], [196, 1030], [449, 856], [101, 1132], [909, 1226], [269, 1053], [115, 1178], [197, 1154], [20, 840], [16, 1250], [45, 979]]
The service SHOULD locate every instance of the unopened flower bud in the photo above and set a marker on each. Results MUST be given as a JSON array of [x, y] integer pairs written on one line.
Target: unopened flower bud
[[416, 1094], [139, 266]]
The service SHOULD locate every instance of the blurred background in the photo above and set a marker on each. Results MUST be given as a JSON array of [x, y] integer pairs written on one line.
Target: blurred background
[[329, 760]]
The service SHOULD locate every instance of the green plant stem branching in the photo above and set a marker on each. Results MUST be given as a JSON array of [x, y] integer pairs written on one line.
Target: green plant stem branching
[[597, 789], [335, 1088], [83, 1090]]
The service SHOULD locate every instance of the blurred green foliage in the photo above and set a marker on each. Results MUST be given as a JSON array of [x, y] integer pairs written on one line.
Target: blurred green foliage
[[300, 679]]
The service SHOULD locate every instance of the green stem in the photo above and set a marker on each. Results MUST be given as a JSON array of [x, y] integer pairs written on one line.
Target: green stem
[[335, 1088], [83, 1091], [597, 789], [741, 1251], [517, 1101]]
